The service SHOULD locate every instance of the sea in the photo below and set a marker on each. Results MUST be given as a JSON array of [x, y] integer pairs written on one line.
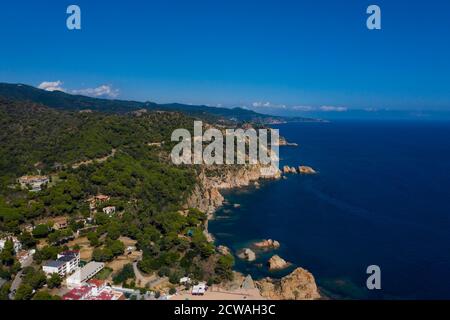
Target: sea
[[381, 197]]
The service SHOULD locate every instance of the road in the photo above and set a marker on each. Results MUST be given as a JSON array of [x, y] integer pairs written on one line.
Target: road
[[150, 281], [18, 279]]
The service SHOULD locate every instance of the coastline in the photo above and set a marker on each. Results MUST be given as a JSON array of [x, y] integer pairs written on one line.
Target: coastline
[[208, 198]]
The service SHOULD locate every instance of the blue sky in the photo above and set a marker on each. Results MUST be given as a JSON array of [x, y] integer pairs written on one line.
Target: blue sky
[[278, 56]]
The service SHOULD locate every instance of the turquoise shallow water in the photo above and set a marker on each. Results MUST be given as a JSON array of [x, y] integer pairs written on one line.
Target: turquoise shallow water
[[382, 196]]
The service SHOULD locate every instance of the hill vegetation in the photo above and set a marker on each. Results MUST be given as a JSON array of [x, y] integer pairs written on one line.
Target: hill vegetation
[[148, 191]]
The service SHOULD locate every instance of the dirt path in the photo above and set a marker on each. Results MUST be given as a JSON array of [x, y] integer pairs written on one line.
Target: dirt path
[[99, 160], [142, 280]]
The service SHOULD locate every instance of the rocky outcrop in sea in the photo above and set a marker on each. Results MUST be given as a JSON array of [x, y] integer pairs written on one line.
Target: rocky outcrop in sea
[[277, 263], [267, 244]]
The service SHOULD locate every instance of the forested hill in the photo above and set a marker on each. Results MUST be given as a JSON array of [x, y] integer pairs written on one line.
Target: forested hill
[[124, 156], [34, 136], [65, 101]]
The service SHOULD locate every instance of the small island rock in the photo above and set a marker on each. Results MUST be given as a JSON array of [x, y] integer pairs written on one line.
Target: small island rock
[[277, 263], [247, 254], [267, 244], [306, 170]]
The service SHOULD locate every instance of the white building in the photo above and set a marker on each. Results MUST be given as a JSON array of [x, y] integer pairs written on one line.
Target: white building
[[109, 210], [83, 274], [67, 262], [94, 290], [185, 280], [24, 256], [16, 243], [199, 289]]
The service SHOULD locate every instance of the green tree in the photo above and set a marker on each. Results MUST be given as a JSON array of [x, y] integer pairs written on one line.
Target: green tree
[[54, 281], [126, 273], [7, 254], [45, 295], [93, 239], [47, 253], [224, 267], [36, 279], [41, 231], [27, 240], [24, 292], [116, 246], [102, 254], [4, 291]]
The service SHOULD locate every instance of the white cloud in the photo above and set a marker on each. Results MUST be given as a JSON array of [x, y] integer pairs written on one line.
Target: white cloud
[[51, 86], [260, 104], [302, 108], [332, 108], [101, 91]]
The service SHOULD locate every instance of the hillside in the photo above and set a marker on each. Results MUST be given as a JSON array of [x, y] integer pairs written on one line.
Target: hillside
[[35, 136], [148, 192], [64, 101]]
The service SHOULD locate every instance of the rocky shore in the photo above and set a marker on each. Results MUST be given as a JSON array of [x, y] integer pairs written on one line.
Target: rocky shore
[[206, 196]]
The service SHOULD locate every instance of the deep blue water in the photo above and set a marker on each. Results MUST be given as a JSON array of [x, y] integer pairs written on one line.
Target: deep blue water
[[382, 197]]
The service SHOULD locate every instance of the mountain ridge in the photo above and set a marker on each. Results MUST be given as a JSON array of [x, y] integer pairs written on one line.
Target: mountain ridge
[[70, 102]]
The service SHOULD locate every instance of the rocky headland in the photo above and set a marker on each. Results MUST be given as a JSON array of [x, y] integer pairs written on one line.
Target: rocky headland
[[298, 285], [206, 195]]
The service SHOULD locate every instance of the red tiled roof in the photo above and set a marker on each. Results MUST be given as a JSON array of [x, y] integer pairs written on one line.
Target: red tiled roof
[[77, 293], [86, 293], [96, 282], [104, 295]]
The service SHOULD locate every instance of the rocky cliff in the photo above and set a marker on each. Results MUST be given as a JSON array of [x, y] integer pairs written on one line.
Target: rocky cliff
[[299, 285], [206, 195]]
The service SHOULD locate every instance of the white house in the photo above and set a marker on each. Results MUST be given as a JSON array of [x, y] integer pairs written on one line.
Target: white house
[[83, 274], [199, 289], [24, 255], [16, 243], [185, 280]]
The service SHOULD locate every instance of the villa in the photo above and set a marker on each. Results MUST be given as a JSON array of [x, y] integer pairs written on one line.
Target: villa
[[35, 182], [95, 200], [62, 224]]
